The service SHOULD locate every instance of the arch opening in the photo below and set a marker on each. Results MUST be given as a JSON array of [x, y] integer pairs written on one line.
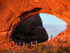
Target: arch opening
[[36, 28], [30, 30]]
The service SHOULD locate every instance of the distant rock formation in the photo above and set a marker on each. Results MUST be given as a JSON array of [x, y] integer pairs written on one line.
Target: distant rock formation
[[30, 30], [40, 34]]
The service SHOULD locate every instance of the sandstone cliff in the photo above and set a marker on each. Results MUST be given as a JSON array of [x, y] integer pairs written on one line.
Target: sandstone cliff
[[11, 12]]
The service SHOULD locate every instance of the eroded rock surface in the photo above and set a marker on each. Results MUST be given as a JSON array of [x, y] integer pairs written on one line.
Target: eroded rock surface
[[11, 12]]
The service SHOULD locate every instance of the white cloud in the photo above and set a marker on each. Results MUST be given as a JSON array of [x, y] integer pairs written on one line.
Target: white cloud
[[63, 23]]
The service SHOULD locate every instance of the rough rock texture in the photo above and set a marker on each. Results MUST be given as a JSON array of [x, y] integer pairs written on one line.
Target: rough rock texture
[[11, 12], [30, 30], [62, 39]]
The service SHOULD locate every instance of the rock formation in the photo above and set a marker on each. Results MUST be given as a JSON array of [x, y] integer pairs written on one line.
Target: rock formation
[[30, 30], [11, 12], [40, 34], [29, 24]]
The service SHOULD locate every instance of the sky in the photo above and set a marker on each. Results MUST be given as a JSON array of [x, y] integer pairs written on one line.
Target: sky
[[52, 24]]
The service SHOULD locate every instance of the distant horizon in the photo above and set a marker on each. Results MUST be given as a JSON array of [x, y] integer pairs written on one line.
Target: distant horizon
[[52, 24]]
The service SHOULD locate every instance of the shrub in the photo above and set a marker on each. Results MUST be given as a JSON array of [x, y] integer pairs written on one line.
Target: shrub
[[27, 45], [17, 49], [64, 52], [53, 47], [41, 47], [44, 51], [20, 51], [56, 51], [6, 51], [51, 51], [66, 48], [36, 47], [32, 50], [60, 47], [60, 41], [69, 49], [65, 41], [48, 51]]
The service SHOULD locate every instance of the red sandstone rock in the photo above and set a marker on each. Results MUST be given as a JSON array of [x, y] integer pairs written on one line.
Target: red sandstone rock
[[10, 10]]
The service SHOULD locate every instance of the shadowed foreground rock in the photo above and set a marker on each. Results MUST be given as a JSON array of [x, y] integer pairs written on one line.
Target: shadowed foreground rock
[[30, 30]]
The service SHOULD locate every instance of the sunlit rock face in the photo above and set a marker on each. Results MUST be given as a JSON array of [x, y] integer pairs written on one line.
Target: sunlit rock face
[[30, 30], [11, 10]]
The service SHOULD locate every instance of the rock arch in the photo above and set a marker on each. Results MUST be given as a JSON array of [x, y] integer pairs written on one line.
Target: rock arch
[[12, 10]]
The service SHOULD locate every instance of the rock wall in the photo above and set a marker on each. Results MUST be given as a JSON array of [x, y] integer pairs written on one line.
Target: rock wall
[[11, 12]]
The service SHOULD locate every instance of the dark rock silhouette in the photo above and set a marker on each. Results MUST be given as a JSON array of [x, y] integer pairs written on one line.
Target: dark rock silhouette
[[30, 30], [40, 34], [29, 24]]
